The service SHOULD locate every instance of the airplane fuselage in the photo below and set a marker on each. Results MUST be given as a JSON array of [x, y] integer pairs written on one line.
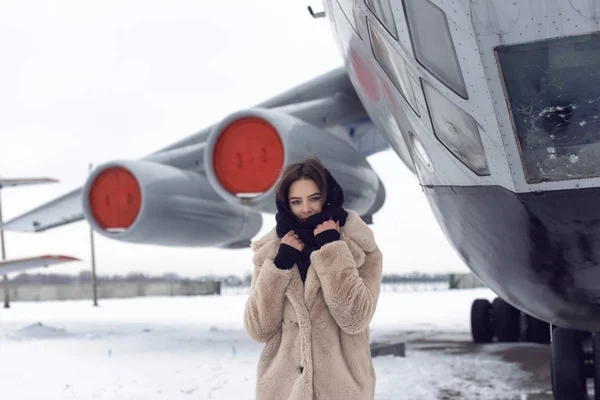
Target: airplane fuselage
[[496, 104]]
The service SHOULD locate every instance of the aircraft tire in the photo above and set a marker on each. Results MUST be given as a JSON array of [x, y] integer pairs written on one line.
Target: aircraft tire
[[596, 358], [567, 369], [536, 331], [482, 321], [507, 321]]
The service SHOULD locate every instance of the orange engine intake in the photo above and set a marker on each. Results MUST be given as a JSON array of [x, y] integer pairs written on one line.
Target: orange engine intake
[[248, 156], [115, 199]]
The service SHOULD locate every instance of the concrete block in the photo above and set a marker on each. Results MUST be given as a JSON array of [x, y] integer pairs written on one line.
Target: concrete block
[[464, 281], [109, 290], [382, 349]]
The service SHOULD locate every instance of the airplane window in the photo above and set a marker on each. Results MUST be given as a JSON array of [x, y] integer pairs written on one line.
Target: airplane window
[[457, 130], [383, 11], [432, 43], [419, 149], [552, 87], [347, 7], [393, 65]]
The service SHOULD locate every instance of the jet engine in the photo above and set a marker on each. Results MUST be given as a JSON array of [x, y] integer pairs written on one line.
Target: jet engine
[[246, 152], [151, 203]]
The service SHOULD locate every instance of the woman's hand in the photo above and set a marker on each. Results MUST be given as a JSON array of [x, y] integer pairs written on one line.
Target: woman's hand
[[331, 224], [291, 239]]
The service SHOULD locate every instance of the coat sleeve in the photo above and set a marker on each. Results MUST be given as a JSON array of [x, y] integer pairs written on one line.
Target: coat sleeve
[[350, 293], [263, 314]]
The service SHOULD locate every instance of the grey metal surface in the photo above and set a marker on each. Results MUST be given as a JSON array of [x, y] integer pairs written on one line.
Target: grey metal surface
[[178, 208], [9, 266]]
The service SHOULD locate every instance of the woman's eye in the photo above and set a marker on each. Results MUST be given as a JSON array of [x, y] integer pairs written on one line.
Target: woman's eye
[[315, 199]]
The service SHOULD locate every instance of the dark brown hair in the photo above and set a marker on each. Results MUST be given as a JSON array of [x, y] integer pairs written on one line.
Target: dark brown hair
[[310, 168]]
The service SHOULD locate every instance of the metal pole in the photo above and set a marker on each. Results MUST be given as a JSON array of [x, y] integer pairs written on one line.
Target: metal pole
[[94, 281], [6, 294]]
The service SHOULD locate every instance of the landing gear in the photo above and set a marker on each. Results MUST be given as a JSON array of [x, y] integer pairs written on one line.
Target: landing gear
[[575, 355], [568, 365], [575, 359], [482, 321], [506, 323]]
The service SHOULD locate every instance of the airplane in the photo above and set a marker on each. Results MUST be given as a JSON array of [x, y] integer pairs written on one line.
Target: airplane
[[493, 106], [22, 264]]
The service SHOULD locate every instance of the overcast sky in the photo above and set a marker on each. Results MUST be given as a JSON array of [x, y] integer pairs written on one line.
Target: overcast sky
[[89, 81]]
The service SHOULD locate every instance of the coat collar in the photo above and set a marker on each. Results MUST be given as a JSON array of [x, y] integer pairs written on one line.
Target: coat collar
[[355, 229], [357, 235]]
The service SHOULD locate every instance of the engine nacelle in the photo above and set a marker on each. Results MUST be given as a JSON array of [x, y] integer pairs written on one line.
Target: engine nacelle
[[246, 152], [151, 203]]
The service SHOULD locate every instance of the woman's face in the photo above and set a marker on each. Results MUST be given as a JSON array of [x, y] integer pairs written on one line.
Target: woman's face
[[305, 198]]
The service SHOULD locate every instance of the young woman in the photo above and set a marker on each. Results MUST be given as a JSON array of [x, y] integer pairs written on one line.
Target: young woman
[[314, 290]]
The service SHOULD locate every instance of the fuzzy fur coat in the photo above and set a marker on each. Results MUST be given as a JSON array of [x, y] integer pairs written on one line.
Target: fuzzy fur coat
[[316, 334]]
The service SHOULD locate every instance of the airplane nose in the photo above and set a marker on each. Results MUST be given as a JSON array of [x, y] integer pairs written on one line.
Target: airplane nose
[[538, 251]]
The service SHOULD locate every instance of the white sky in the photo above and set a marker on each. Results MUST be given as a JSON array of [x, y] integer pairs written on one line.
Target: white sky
[[88, 81]]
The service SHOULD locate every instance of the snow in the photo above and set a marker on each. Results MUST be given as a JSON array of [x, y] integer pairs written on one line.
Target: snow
[[196, 348]]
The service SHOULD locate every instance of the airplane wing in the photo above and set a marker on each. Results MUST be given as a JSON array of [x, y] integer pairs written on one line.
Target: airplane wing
[[8, 266], [13, 182], [335, 81], [314, 94], [64, 210]]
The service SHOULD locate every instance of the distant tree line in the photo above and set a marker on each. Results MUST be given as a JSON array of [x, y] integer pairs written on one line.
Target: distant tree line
[[230, 280], [86, 276]]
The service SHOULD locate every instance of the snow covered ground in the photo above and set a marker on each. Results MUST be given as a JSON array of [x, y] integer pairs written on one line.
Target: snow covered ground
[[196, 348]]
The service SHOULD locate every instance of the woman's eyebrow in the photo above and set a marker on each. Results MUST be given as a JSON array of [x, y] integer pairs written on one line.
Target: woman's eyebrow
[[298, 198]]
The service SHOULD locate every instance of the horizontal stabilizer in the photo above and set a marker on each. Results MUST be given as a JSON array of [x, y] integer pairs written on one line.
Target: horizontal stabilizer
[[62, 211], [21, 264], [14, 182]]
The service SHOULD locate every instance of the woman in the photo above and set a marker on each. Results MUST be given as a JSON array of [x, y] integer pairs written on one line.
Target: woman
[[314, 290]]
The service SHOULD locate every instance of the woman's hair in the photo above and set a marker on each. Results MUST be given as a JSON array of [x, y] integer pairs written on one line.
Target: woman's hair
[[310, 168]]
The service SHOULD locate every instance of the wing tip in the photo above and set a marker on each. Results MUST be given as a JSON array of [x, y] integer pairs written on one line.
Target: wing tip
[[56, 257], [49, 180]]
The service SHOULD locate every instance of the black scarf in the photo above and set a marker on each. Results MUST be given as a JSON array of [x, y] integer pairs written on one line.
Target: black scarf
[[332, 209]]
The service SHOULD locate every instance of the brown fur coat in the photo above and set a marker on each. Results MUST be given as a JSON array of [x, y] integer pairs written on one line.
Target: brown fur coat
[[316, 335]]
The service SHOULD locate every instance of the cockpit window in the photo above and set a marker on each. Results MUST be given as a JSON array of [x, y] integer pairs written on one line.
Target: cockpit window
[[553, 88], [433, 45], [393, 65], [383, 11], [347, 7], [456, 129]]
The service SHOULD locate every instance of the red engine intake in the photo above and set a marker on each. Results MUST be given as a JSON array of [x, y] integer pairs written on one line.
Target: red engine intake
[[115, 199], [247, 151], [248, 156]]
